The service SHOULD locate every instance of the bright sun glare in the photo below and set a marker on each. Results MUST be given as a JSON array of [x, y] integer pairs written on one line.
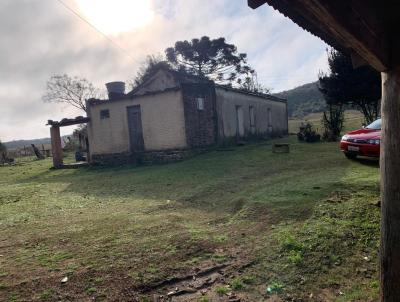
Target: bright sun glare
[[115, 16]]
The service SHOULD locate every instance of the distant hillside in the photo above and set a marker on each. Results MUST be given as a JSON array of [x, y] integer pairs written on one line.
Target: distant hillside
[[303, 100], [27, 142], [21, 143]]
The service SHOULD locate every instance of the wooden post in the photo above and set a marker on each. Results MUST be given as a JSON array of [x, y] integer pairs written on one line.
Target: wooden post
[[56, 148], [390, 187]]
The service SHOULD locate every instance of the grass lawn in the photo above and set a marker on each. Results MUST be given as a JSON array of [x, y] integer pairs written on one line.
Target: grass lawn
[[245, 223]]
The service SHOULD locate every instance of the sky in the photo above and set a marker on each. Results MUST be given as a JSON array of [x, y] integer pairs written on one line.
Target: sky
[[41, 38]]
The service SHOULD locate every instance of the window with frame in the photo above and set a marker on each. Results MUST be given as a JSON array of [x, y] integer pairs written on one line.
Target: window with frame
[[252, 116], [105, 113], [200, 103]]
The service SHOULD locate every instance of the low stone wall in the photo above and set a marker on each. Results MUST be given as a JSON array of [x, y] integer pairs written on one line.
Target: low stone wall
[[250, 138], [144, 158], [114, 159], [162, 157]]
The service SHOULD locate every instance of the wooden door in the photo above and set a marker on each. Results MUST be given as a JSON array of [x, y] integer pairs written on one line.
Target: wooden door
[[239, 121], [135, 129]]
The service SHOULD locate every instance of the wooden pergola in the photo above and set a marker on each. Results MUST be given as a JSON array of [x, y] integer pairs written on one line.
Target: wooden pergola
[[370, 31], [56, 147]]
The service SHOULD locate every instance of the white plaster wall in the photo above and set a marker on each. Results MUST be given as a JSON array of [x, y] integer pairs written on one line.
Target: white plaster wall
[[227, 100], [162, 121]]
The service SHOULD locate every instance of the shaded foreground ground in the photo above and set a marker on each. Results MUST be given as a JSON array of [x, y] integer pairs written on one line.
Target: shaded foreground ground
[[244, 223]]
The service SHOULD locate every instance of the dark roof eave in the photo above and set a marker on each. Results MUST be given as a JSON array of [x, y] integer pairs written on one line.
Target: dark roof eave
[[94, 102], [261, 95], [68, 122]]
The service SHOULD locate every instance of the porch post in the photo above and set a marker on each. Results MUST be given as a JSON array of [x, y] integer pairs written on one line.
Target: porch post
[[390, 187], [56, 148]]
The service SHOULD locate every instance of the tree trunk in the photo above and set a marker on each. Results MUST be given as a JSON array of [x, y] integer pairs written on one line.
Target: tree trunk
[[390, 187]]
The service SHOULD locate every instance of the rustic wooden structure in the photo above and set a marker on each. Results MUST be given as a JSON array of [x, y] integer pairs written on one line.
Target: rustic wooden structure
[[370, 31], [56, 147]]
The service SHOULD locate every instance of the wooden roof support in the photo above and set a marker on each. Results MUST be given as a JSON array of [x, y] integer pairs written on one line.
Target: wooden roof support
[[390, 187], [56, 148]]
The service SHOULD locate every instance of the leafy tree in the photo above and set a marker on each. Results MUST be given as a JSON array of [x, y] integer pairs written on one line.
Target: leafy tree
[[3, 153], [333, 119], [70, 90], [3, 147], [345, 85], [214, 59]]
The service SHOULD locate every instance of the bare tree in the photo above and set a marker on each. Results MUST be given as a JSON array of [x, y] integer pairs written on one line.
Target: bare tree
[[250, 83], [147, 68], [71, 90]]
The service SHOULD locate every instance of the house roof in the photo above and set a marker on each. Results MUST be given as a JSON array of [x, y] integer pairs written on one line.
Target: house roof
[[130, 97], [180, 77], [259, 94], [184, 78], [69, 121]]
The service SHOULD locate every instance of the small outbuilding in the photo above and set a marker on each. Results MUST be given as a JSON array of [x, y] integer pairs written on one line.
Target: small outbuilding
[[171, 114]]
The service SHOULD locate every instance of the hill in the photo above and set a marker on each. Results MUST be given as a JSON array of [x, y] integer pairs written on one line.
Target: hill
[[303, 100], [27, 142]]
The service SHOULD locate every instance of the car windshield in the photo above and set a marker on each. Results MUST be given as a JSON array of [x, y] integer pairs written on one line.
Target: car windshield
[[375, 125]]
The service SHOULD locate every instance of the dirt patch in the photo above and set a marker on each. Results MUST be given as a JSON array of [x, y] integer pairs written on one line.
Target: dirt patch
[[199, 282]]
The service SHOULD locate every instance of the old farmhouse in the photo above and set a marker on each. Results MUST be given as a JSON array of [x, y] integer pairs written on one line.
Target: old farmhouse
[[172, 114]]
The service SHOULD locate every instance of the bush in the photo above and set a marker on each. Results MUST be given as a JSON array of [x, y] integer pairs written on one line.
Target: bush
[[333, 120]]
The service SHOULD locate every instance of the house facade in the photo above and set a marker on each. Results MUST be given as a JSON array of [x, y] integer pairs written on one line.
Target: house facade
[[170, 115]]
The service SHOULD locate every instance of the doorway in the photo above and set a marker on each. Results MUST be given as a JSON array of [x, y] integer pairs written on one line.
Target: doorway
[[239, 122], [135, 129]]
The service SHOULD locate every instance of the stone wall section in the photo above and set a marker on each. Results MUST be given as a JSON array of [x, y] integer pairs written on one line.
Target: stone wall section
[[200, 124]]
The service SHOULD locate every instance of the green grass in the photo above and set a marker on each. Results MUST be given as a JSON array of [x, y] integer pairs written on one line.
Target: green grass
[[237, 284], [305, 219], [221, 290]]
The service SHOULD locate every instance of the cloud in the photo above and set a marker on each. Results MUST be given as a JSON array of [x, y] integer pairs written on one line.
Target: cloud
[[41, 38]]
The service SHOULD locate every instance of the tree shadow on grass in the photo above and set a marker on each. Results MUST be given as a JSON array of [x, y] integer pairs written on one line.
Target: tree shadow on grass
[[368, 161]]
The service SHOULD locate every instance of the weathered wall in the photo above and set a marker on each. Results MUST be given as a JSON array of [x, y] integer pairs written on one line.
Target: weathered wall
[[226, 102], [162, 120], [160, 81], [200, 124]]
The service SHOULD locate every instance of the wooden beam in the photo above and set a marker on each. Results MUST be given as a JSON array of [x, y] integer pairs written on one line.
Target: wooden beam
[[255, 3], [390, 187], [357, 61], [56, 148], [354, 28], [343, 25]]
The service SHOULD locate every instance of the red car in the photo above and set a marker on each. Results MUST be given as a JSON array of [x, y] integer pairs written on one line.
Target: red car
[[364, 142]]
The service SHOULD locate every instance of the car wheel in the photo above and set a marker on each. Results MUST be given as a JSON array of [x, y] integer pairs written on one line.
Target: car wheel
[[350, 155]]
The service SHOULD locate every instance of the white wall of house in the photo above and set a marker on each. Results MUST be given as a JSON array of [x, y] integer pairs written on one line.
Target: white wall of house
[[162, 122], [249, 114]]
